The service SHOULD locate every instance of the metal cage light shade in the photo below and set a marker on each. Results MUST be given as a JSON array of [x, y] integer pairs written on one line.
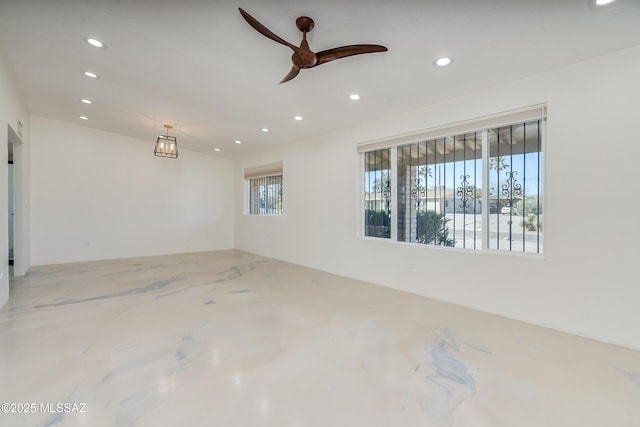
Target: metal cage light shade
[[166, 146]]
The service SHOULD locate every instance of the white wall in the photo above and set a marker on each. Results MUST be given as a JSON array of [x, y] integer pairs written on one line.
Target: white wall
[[99, 195], [12, 110], [586, 282]]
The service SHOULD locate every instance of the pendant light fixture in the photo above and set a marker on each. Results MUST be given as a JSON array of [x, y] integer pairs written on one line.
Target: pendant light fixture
[[166, 146]]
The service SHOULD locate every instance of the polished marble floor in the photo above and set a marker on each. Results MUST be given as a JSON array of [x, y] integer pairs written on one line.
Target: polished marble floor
[[237, 340]]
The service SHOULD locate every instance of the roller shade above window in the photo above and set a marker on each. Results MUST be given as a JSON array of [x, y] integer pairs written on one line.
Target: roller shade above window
[[263, 170], [526, 114]]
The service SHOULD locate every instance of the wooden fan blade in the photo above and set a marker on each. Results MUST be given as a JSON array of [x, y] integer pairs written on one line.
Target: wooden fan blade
[[344, 51], [294, 72], [264, 30]]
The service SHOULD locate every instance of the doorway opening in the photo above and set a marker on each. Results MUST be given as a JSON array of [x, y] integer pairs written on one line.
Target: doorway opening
[[10, 204], [16, 193]]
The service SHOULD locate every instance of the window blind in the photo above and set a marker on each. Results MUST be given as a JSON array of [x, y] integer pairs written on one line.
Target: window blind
[[525, 114]]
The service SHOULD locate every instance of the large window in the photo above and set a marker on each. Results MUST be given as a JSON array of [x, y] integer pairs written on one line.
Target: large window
[[438, 196], [264, 189], [478, 189]]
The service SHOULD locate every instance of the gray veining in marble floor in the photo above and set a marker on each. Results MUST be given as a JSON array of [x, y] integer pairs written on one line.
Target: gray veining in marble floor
[[233, 339]]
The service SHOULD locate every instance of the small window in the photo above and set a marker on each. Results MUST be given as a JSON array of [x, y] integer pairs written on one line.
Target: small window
[[377, 193], [264, 189], [515, 186]]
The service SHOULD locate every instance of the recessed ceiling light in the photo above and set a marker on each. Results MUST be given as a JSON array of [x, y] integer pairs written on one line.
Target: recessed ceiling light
[[238, 141], [84, 118], [86, 101], [216, 149], [443, 62], [298, 118], [94, 42], [598, 4], [264, 130], [90, 74], [354, 97]]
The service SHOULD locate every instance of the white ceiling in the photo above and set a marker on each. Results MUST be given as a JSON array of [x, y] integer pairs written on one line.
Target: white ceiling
[[199, 65]]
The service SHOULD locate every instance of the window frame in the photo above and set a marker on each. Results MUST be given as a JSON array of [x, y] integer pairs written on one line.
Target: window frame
[[483, 125], [264, 172]]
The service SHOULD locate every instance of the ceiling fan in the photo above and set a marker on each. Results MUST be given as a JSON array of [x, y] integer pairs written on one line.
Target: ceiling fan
[[303, 56]]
